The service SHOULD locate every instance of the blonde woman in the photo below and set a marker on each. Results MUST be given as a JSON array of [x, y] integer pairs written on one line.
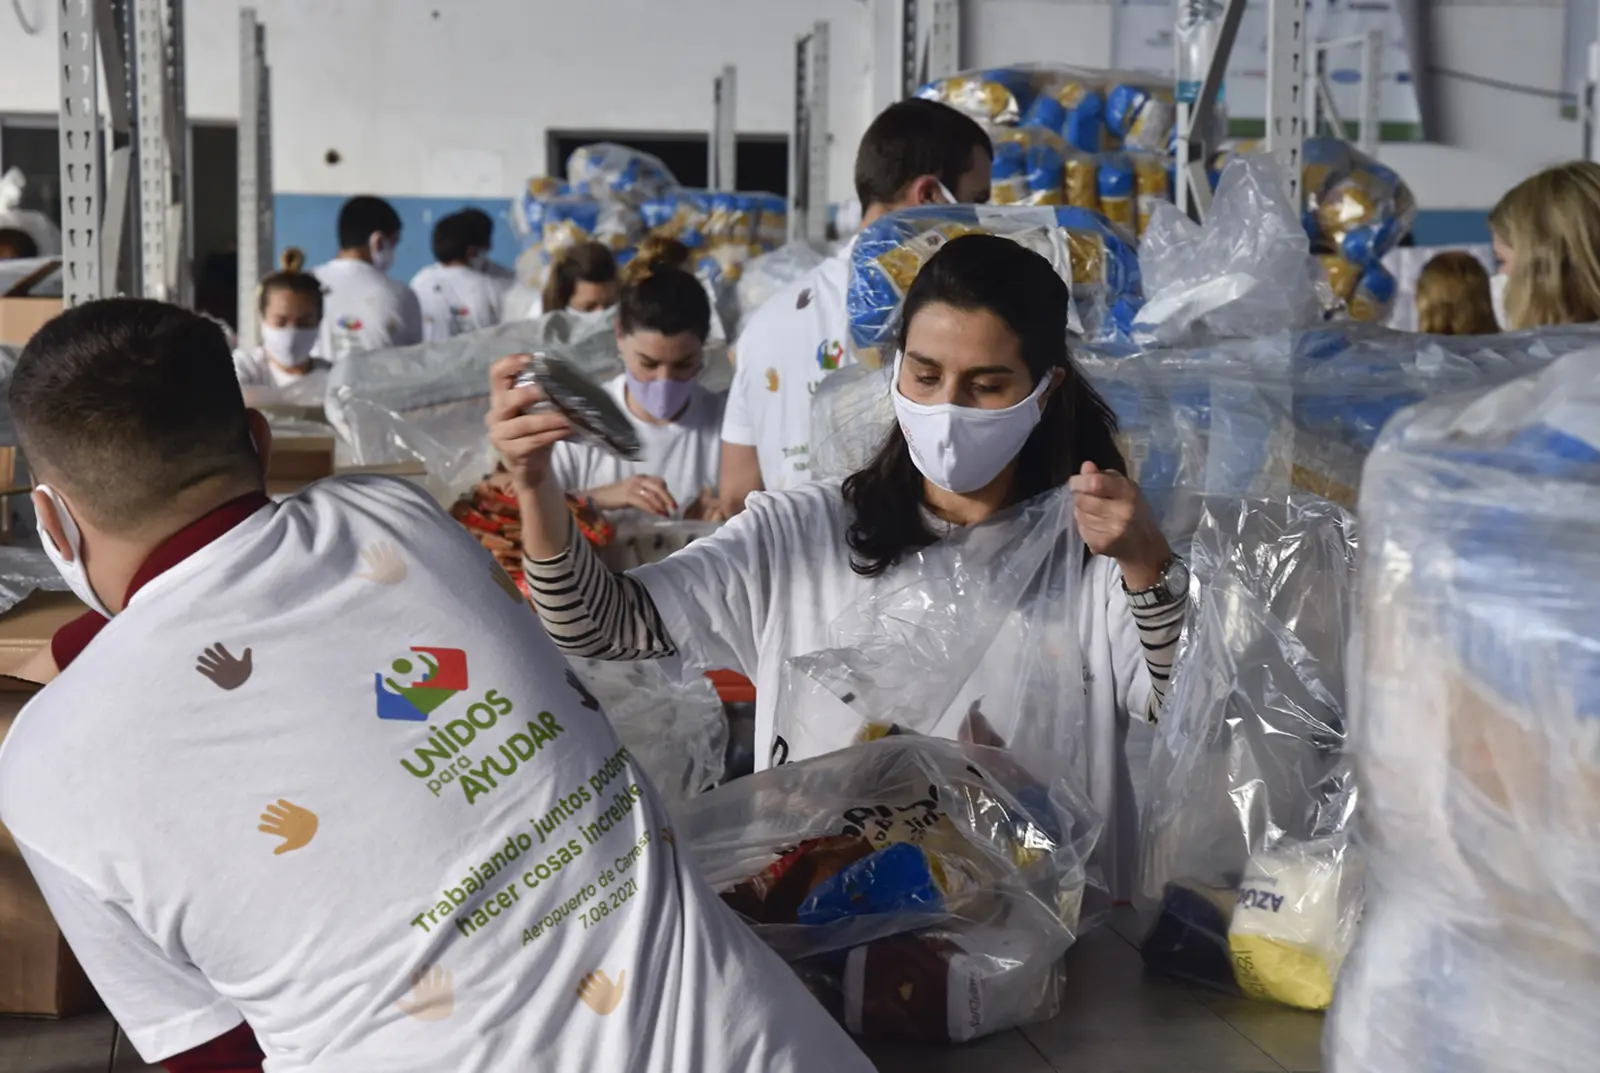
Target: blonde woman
[[1547, 237], [1453, 296]]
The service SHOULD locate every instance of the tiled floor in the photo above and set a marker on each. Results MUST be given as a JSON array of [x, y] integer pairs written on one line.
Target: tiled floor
[[1114, 1019]]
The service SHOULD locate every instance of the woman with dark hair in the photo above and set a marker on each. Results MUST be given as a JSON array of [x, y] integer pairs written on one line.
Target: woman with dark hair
[[990, 412], [583, 280], [663, 319]]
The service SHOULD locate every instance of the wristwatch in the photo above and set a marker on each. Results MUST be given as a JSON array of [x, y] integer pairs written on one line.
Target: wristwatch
[[1172, 585]]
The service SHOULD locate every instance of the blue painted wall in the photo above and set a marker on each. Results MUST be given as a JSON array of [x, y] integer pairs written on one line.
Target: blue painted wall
[[1451, 227], [309, 221]]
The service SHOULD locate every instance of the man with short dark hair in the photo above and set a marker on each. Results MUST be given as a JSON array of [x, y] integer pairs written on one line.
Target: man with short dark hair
[[482, 225], [916, 152], [316, 777], [16, 244], [455, 296], [364, 308]]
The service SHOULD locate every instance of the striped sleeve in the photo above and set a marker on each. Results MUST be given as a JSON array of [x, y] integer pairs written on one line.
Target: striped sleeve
[[1159, 630], [589, 611]]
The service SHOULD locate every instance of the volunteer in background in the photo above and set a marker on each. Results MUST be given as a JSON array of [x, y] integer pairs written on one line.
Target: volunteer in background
[[455, 296], [16, 244], [916, 153], [1453, 296], [663, 319], [364, 309], [482, 237], [987, 385], [1547, 239], [340, 881], [583, 281], [289, 303]]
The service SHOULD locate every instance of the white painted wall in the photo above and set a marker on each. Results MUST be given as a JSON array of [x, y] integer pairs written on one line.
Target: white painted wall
[[458, 105]]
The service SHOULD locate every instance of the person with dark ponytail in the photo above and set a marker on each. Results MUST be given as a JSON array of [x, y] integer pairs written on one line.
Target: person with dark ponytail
[[992, 411], [289, 303], [663, 319]]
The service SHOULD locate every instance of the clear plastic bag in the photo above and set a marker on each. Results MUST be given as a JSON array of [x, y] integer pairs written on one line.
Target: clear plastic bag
[[1477, 672], [426, 403], [24, 571], [610, 172], [770, 273], [1096, 259], [1247, 272], [903, 873], [851, 416], [1248, 875], [678, 732]]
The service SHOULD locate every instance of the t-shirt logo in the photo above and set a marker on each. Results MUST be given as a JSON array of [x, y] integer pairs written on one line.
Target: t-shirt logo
[[445, 676], [350, 324], [830, 352]]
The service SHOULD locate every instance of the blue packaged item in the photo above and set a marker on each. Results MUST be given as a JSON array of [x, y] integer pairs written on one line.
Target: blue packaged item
[[1374, 296], [1085, 128], [1117, 185], [897, 879], [1046, 175], [1122, 107], [1046, 112]]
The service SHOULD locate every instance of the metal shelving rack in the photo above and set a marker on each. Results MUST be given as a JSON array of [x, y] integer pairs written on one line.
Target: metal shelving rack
[[138, 45], [255, 170], [1287, 112], [930, 42], [723, 148], [808, 146], [1319, 104]]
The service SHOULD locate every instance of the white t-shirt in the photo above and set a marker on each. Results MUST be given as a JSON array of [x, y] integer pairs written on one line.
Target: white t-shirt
[[767, 586], [385, 827], [255, 369], [363, 309], [686, 453], [796, 338], [456, 299]]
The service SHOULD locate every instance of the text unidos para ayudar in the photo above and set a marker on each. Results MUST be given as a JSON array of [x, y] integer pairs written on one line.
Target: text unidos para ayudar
[[444, 759]]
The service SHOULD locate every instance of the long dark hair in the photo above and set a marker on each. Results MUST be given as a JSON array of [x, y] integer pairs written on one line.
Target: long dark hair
[[1018, 286]]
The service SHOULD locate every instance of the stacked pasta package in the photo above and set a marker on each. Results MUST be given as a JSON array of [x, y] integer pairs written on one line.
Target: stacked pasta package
[[1096, 140], [1096, 258], [1478, 746]]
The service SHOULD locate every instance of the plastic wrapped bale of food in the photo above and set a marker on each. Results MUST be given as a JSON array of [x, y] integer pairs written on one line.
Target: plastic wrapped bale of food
[[851, 416], [1096, 259], [610, 172], [1245, 273], [426, 403], [679, 214], [921, 888], [1249, 877], [772, 225], [528, 212], [1478, 682], [1093, 109], [676, 731], [1354, 206]]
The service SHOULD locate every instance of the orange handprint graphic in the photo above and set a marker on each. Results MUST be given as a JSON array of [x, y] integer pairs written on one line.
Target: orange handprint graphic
[[295, 825], [433, 996], [601, 995]]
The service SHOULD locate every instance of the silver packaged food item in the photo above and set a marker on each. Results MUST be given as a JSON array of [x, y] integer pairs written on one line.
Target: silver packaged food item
[[595, 417]]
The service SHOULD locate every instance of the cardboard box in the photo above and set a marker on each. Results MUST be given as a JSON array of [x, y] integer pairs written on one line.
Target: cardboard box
[[21, 317], [296, 461], [29, 626], [38, 974]]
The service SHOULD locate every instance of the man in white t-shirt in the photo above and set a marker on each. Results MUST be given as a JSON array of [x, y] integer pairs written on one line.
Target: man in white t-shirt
[[482, 225], [314, 788], [916, 152], [455, 297], [363, 309]]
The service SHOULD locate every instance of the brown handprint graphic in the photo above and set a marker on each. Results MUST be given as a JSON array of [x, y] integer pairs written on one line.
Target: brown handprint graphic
[[601, 995], [433, 996], [295, 825], [223, 667]]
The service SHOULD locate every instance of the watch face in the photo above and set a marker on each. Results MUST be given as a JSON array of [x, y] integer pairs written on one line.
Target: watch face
[[1176, 578]]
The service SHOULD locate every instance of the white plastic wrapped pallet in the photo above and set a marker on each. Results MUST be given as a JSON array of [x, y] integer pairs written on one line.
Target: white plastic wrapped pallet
[[1477, 737]]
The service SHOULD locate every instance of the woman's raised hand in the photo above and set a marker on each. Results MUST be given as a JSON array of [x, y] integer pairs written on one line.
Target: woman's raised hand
[[524, 440]]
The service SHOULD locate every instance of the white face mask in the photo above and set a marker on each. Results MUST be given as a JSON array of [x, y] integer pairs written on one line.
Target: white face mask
[[587, 318], [1497, 295], [963, 448], [382, 253], [289, 345], [76, 576], [949, 198]]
